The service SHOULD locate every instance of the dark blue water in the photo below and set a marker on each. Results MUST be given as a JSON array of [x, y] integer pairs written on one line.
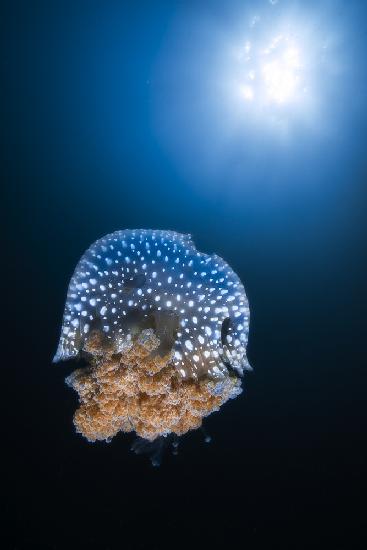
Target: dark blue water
[[117, 115]]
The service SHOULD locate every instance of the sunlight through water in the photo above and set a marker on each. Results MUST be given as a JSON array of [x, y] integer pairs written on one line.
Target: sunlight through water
[[272, 71], [266, 80]]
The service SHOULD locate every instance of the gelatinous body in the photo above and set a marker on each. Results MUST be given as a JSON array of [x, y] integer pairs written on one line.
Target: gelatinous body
[[165, 329]]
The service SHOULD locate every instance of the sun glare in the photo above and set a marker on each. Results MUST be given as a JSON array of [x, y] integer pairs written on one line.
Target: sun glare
[[272, 73]]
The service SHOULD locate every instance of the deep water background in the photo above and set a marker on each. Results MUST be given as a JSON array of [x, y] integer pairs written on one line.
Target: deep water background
[[83, 155]]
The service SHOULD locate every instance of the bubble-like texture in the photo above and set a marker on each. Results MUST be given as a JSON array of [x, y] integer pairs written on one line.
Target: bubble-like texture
[[139, 390]]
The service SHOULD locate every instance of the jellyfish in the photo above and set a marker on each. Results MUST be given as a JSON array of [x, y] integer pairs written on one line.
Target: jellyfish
[[163, 330]]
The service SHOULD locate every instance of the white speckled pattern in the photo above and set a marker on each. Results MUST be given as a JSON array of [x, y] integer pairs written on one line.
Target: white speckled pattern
[[152, 271]]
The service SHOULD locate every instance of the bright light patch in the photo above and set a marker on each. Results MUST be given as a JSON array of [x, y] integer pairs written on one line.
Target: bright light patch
[[267, 78], [282, 74], [273, 71], [280, 83], [247, 93]]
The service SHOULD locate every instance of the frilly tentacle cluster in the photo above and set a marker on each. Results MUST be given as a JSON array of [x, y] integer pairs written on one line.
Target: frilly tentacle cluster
[[139, 390]]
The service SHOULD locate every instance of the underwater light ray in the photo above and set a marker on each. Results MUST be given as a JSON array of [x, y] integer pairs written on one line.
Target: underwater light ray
[[247, 86]]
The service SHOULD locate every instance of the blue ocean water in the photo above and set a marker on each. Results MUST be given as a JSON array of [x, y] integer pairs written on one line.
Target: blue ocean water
[[183, 116]]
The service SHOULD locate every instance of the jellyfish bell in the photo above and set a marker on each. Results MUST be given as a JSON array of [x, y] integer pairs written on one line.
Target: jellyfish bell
[[164, 329]]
